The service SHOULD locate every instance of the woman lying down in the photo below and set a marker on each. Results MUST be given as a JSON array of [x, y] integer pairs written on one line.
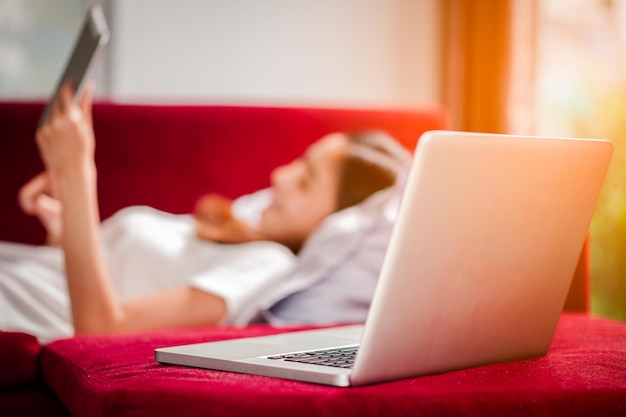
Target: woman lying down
[[306, 250]]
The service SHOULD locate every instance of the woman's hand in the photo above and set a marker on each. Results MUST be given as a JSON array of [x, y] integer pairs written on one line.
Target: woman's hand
[[37, 198], [66, 140], [215, 222]]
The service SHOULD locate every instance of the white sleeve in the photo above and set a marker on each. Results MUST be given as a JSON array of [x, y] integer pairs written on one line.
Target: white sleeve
[[245, 272]]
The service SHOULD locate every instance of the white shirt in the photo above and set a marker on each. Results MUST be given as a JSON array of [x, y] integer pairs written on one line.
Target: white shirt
[[146, 250]]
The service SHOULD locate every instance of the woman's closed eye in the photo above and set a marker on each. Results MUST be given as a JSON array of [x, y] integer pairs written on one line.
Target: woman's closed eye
[[304, 183]]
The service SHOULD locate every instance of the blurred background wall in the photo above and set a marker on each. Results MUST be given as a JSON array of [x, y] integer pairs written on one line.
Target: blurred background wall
[[353, 52]]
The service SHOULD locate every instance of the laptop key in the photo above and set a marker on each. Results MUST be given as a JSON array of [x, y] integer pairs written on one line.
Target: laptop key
[[338, 358]]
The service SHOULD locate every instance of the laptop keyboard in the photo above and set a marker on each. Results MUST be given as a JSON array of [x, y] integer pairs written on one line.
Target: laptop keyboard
[[336, 357]]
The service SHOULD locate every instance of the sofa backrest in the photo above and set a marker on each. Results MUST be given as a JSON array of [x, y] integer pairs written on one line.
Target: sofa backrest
[[167, 156]]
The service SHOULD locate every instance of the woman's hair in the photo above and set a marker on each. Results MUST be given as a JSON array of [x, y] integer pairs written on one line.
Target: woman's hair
[[373, 162]]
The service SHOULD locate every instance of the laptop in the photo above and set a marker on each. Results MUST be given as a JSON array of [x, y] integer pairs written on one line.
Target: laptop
[[93, 37], [488, 235]]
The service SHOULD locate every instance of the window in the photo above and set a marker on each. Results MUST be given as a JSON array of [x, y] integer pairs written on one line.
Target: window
[[580, 91]]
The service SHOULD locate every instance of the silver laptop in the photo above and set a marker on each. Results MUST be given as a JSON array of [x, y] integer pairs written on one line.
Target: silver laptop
[[488, 235]]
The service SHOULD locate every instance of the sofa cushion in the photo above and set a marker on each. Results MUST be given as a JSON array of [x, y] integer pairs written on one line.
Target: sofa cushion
[[19, 359], [584, 373]]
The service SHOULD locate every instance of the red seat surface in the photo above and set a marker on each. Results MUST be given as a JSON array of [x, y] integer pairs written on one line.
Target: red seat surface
[[584, 373]]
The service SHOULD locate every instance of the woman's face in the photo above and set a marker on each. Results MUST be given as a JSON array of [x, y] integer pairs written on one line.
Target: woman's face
[[305, 191]]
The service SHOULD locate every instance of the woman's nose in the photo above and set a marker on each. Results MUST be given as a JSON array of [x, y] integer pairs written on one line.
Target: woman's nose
[[280, 175], [277, 175]]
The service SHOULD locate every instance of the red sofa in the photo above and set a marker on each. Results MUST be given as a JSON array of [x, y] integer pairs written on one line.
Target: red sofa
[[167, 157]]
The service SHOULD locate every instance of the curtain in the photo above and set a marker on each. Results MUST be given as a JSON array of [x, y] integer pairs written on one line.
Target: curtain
[[479, 60]]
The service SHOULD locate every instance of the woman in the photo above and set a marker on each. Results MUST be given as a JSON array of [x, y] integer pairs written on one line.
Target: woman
[[64, 197]]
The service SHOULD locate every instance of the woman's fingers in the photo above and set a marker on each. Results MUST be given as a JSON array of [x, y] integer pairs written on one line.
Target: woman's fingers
[[213, 207], [61, 103], [215, 221], [36, 198], [232, 231], [49, 211], [86, 100], [28, 194], [65, 98], [67, 139]]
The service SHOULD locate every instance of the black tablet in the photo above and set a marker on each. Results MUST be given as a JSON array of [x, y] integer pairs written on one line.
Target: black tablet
[[92, 38]]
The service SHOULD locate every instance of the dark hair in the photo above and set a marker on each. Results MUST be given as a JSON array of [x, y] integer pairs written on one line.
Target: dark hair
[[373, 162]]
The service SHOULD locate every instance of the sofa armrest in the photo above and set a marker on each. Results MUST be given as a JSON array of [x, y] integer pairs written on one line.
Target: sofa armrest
[[20, 359]]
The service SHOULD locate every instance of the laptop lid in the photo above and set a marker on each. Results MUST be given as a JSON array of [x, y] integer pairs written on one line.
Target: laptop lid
[[483, 252], [478, 267]]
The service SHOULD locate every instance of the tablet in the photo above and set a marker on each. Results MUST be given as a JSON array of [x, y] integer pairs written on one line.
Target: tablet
[[93, 36]]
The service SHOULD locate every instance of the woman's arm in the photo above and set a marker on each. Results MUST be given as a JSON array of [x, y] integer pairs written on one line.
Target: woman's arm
[[179, 307], [67, 145]]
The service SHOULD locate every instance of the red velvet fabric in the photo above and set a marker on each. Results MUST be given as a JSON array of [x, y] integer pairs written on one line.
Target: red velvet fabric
[[584, 374], [19, 354]]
